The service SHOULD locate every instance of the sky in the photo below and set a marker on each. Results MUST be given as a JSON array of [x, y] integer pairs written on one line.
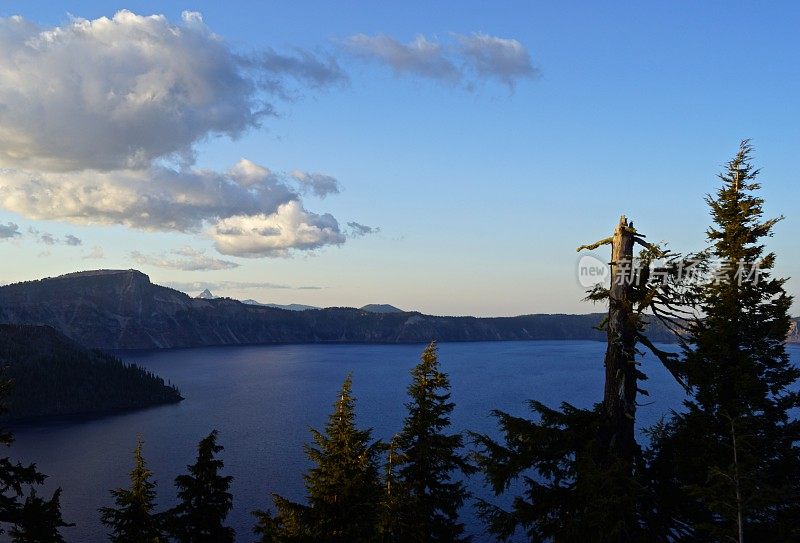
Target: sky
[[442, 157]]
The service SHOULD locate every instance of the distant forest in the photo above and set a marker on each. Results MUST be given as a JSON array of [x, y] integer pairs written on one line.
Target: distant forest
[[52, 376]]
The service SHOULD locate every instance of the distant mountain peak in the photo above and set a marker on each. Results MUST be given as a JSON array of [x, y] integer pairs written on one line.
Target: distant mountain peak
[[206, 295], [381, 308]]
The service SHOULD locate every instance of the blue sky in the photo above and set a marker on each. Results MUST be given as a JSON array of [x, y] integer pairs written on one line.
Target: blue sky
[[481, 189]]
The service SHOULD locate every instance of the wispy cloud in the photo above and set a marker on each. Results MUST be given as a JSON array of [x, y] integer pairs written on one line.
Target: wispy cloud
[[96, 253], [301, 65], [185, 259], [9, 230], [199, 286], [468, 60], [420, 57], [319, 184], [358, 230], [49, 239]]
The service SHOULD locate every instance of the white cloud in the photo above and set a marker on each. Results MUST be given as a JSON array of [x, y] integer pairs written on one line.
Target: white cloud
[[275, 234], [189, 260], [9, 230], [116, 93], [99, 120], [158, 198], [464, 59]]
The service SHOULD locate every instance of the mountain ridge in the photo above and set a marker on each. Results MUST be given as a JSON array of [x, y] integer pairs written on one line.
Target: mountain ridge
[[122, 309]]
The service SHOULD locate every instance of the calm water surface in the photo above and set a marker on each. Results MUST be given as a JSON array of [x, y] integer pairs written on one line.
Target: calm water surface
[[263, 399]]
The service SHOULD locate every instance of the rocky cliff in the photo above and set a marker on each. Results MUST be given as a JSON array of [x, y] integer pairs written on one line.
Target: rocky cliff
[[122, 309]]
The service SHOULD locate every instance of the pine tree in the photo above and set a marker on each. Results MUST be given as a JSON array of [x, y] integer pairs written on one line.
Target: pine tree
[[343, 487], [427, 460], [39, 520], [132, 520], [728, 468], [204, 499]]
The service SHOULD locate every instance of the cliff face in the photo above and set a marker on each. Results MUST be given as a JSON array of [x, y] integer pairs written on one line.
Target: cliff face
[[111, 309]]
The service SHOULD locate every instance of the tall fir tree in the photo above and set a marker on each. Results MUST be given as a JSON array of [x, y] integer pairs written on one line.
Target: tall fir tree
[[39, 520], [343, 487], [133, 520], [728, 467], [204, 499], [423, 488]]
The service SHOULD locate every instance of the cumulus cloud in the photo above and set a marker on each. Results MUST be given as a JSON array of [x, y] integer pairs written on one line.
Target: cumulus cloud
[[317, 183], [358, 230], [9, 230], [99, 120], [464, 59], [96, 253], [185, 259], [276, 234], [116, 93]]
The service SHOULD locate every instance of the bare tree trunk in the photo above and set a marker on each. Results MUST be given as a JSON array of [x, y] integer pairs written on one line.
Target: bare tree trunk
[[619, 398]]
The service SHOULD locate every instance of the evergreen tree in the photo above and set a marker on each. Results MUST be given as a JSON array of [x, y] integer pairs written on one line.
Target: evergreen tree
[[425, 462], [343, 486], [728, 468], [39, 520], [204, 499], [132, 520]]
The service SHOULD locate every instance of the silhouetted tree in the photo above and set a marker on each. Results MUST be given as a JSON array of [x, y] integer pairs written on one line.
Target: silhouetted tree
[[132, 520], [39, 520], [582, 469], [204, 499], [33, 516], [343, 487], [728, 467], [422, 492]]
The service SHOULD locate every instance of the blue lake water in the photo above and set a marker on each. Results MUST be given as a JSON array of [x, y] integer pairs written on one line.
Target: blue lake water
[[263, 399]]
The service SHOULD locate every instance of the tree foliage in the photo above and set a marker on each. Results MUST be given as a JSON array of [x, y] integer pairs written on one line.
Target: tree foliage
[[343, 486], [133, 519], [424, 494], [205, 500], [728, 466]]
